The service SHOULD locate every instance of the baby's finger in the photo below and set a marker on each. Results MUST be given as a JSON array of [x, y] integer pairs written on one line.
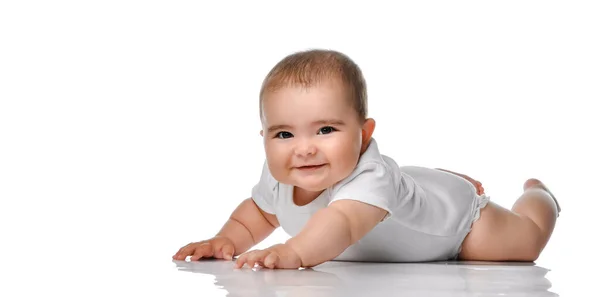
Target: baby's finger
[[257, 257], [271, 260], [180, 251], [204, 250], [227, 251], [241, 260], [186, 250]]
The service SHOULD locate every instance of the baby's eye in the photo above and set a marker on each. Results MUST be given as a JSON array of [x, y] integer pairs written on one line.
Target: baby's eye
[[284, 135], [327, 130]]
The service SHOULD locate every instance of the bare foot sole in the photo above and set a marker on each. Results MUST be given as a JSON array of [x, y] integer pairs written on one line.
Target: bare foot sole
[[536, 183]]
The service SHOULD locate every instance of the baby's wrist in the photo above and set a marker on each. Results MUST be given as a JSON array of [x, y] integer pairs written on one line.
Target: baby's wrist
[[296, 250]]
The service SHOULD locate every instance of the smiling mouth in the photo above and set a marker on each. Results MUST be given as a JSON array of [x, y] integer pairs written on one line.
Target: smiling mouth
[[310, 167]]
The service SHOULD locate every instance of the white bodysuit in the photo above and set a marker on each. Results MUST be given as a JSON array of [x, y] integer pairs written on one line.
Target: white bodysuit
[[430, 212]]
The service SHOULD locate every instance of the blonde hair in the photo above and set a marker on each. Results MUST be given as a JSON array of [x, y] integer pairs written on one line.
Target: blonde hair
[[307, 68]]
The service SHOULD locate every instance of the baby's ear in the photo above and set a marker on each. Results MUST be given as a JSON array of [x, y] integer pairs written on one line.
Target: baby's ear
[[367, 129], [367, 132], [261, 133]]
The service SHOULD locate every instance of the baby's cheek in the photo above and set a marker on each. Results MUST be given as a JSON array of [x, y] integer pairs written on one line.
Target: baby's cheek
[[276, 155], [347, 160], [279, 167], [276, 165]]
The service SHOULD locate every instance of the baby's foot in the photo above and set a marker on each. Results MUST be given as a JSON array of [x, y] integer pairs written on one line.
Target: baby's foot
[[536, 183]]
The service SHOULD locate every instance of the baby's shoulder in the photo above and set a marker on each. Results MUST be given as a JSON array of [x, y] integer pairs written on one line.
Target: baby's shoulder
[[367, 175]]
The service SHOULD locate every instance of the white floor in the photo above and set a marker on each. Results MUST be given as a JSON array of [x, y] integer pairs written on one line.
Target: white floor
[[374, 279], [119, 262]]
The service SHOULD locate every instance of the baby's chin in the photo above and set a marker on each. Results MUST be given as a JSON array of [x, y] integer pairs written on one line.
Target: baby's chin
[[313, 186]]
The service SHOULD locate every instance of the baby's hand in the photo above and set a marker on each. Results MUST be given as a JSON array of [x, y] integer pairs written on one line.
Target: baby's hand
[[279, 256], [217, 247]]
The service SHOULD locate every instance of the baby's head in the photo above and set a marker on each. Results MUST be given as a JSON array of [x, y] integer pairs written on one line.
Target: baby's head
[[313, 109]]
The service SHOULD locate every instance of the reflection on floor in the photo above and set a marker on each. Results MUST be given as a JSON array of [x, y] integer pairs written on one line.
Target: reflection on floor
[[379, 279]]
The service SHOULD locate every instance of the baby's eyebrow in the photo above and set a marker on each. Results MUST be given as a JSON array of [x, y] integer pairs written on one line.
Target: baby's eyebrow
[[329, 122], [279, 127]]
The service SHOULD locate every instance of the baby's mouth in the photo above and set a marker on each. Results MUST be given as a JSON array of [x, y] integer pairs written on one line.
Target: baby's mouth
[[310, 167]]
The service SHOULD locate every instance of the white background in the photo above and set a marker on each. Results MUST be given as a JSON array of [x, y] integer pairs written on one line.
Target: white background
[[130, 128]]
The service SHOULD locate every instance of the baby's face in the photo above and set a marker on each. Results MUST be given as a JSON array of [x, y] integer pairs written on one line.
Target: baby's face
[[312, 136]]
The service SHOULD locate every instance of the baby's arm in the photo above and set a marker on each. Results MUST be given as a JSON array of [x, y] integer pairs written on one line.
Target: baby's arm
[[247, 226], [333, 229], [326, 235]]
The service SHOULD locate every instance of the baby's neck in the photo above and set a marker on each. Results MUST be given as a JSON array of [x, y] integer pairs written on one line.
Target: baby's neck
[[303, 197]]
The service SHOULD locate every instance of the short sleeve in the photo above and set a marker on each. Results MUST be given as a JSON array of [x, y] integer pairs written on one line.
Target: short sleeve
[[371, 183], [263, 191]]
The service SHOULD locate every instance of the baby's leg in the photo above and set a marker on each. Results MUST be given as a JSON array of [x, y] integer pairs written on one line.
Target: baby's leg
[[517, 235]]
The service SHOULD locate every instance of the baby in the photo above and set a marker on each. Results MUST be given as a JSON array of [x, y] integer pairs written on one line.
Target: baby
[[326, 184]]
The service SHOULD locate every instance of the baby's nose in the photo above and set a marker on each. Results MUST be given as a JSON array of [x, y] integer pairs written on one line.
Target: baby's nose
[[305, 149]]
